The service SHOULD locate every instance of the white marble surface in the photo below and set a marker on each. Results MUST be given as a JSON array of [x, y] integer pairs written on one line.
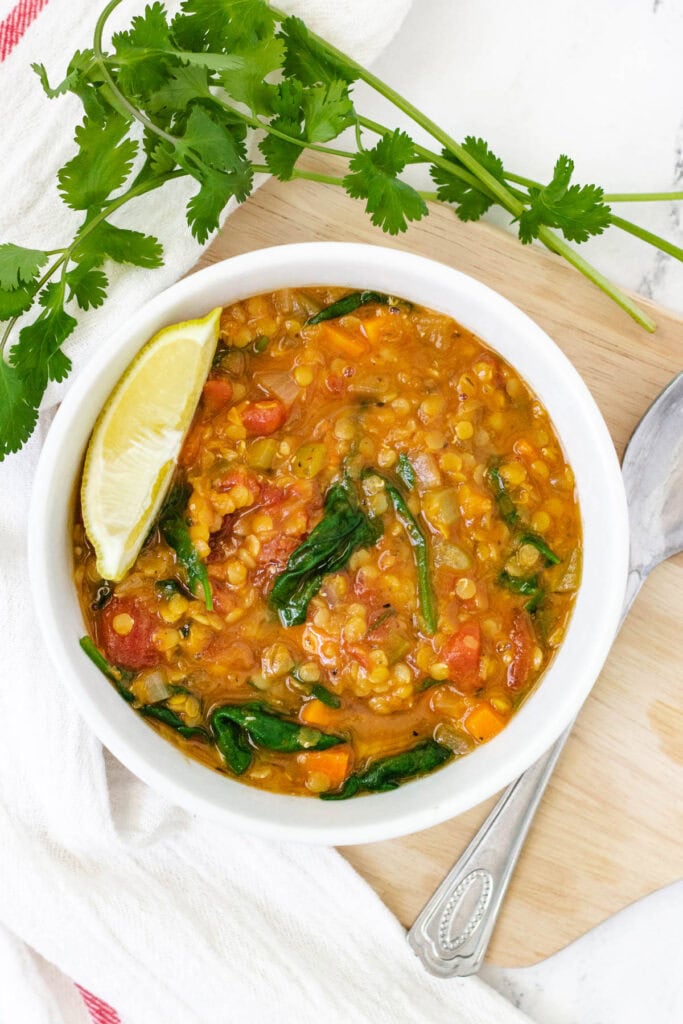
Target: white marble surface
[[626, 971], [601, 80]]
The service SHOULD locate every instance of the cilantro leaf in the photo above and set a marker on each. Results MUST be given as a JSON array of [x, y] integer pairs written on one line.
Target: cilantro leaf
[[144, 52], [19, 265], [245, 80], [207, 144], [76, 73], [281, 155], [121, 245], [162, 158], [221, 25], [577, 210], [308, 61], [103, 163], [18, 410], [67, 83], [87, 285], [328, 110], [471, 202], [39, 342], [390, 202], [205, 208], [58, 366], [183, 85], [12, 303]]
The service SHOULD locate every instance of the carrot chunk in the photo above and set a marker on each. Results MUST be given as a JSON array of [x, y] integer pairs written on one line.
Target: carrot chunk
[[317, 714], [483, 723], [334, 763], [341, 340], [377, 326]]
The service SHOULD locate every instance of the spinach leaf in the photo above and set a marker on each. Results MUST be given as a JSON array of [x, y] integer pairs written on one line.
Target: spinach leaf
[[418, 543], [120, 677], [506, 506], [389, 772], [518, 584], [173, 524], [167, 588], [405, 471], [232, 742], [346, 305], [537, 542], [170, 718], [428, 682], [325, 695], [528, 585], [343, 529], [268, 730]]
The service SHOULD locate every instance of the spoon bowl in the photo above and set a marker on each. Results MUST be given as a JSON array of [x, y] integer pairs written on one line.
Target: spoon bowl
[[452, 932]]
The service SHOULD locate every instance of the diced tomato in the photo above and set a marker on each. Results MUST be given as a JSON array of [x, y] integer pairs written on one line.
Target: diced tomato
[[264, 417], [273, 557], [237, 476], [217, 394], [224, 600], [276, 550], [461, 653], [221, 542], [271, 495], [522, 640], [334, 383], [136, 649]]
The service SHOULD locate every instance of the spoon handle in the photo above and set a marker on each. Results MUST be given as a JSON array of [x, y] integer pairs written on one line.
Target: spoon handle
[[452, 931]]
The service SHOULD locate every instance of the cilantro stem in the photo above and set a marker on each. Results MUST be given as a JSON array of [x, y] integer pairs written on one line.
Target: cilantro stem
[[560, 248], [121, 100], [648, 236], [642, 197], [264, 126], [500, 192], [132, 193], [610, 197], [324, 179]]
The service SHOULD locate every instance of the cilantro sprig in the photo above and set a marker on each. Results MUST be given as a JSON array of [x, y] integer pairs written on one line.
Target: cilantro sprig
[[184, 97]]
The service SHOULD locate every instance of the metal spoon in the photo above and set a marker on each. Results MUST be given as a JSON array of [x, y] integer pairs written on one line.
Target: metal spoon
[[452, 932]]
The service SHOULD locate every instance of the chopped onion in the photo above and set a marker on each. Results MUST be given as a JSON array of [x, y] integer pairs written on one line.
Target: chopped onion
[[151, 687], [280, 384], [451, 556], [450, 736], [426, 469]]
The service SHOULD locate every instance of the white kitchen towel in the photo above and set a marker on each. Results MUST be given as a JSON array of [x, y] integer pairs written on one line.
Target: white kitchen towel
[[166, 917]]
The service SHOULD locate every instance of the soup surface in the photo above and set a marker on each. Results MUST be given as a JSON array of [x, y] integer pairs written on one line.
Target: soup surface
[[368, 557]]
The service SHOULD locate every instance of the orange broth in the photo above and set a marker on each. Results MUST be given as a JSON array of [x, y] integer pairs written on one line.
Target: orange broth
[[389, 399]]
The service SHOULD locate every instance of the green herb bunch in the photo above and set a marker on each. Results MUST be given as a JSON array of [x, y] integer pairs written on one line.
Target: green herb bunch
[[182, 97]]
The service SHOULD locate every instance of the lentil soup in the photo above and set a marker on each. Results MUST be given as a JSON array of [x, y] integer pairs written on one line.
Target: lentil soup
[[368, 557]]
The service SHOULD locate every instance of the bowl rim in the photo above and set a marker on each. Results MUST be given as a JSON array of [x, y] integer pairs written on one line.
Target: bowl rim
[[423, 802]]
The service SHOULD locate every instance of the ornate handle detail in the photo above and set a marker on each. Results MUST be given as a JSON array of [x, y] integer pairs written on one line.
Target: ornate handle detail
[[452, 931]]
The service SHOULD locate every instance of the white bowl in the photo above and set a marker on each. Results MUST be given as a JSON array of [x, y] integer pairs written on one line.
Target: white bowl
[[462, 783]]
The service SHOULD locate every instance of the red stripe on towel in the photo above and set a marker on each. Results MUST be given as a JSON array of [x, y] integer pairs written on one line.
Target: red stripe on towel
[[100, 1012], [12, 29], [16, 23]]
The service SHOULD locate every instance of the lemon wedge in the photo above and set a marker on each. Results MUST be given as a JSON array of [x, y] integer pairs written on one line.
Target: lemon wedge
[[136, 440]]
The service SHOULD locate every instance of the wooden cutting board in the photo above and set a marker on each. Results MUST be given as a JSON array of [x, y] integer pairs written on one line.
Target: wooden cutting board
[[610, 828]]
